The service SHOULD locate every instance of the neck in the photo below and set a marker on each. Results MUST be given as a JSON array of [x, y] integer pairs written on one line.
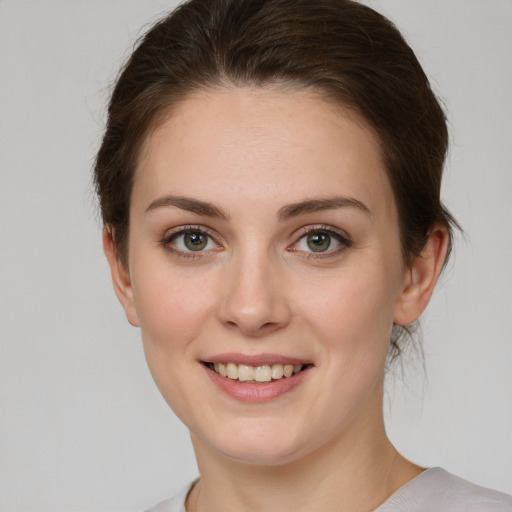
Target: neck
[[354, 473]]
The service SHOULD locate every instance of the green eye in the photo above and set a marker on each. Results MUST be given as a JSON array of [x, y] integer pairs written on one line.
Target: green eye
[[189, 241], [322, 242], [318, 242], [195, 241]]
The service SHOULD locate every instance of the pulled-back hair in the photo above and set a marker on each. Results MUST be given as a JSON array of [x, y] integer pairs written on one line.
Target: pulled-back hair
[[345, 51]]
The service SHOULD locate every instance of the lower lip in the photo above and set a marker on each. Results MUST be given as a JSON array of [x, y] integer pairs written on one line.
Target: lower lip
[[256, 393]]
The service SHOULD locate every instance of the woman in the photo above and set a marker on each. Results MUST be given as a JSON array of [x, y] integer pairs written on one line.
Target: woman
[[269, 182]]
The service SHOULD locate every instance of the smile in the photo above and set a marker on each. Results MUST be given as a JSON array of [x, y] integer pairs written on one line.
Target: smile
[[255, 374]]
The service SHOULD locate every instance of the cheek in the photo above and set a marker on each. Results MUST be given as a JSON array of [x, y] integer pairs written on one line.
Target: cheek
[[172, 308], [354, 312]]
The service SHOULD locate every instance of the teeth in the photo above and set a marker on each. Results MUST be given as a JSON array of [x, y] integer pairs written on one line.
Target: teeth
[[263, 373], [232, 371], [277, 371], [245, 373]]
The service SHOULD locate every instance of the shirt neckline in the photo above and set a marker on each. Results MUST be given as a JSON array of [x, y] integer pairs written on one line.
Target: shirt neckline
[[183, 495]]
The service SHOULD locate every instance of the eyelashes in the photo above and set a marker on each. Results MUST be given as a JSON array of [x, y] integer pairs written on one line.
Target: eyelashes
[[191, 242], [311, 242], [315, 242]]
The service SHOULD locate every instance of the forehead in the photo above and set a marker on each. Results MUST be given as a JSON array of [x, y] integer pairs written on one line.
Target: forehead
[[262, 145]]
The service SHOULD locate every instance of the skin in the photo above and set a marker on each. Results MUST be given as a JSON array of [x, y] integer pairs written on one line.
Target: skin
[[258, 288]]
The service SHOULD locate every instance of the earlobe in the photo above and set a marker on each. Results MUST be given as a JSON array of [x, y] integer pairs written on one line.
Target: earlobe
[[421, 276], [120, 277]]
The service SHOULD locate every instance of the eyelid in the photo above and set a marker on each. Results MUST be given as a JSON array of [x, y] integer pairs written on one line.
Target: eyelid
[[339, 235], [313, 228], [172, 234]]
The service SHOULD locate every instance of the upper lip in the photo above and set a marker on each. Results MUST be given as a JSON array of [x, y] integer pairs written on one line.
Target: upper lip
[[255, 359]]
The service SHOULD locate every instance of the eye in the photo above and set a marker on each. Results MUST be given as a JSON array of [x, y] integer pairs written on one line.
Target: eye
[[318, 242], [189, 240], [195, 241], [321, 241]]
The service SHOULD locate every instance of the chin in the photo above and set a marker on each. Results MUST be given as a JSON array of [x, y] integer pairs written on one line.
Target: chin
[[260, 444], [262, 456]]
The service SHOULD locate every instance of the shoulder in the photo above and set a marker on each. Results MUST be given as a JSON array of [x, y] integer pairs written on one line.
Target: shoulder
[[436, 489], [174, 504]]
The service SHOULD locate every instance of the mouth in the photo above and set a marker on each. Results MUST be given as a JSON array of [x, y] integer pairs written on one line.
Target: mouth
[[256, 378], [261, 374]]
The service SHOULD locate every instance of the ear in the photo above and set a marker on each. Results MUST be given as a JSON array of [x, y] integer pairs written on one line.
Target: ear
[[120, 277], [421, 276]]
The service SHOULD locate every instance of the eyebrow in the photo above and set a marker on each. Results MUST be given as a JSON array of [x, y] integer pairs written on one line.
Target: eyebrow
[[318, 205], [207, 209], [187, 203]]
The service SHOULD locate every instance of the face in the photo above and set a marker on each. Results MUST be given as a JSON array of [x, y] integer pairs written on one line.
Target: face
[[264, 242]]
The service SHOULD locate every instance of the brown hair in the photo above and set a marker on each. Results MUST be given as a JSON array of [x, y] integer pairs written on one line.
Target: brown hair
[[347, 52]]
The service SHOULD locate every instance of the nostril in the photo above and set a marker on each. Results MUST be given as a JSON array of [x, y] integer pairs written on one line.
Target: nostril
[[253, 313], [253, 329]]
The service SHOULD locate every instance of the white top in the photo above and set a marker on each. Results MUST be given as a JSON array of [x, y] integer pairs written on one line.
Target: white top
[[434, 490]]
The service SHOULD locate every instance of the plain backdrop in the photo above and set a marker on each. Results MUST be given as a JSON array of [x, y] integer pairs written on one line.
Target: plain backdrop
[[82, 426]]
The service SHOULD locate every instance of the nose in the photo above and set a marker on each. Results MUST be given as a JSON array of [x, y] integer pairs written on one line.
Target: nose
[[254, 296]]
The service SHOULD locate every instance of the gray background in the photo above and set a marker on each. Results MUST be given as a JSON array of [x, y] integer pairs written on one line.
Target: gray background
[[82, 426]]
